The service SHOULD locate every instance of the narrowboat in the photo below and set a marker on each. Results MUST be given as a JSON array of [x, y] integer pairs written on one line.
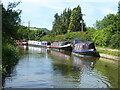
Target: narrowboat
[[84, 48], [34, 43], [21, 42], [39, 43], [62, 45], [45, 44]]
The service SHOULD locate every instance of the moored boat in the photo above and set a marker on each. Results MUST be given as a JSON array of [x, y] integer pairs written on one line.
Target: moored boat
[[84, 48], [62, 45], [39, 43], [45, 44], [21, 42]]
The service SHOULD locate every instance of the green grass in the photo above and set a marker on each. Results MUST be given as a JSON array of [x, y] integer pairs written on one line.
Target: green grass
[[114, 53]]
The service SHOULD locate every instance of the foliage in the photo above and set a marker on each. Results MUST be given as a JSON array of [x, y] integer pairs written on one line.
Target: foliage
[[90, 31], [119, 8], [10, 25], [108, 31], [22, 32], [10, 21], [67, 37], [25, 34], [105, 34], [68, 21], [72, 35], [61, 22], [102, 37], [110, 21], [10, 56], [115, 41], [75, 18]]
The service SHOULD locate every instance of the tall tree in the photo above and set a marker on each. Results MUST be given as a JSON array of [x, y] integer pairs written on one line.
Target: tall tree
[[61, 22], [119, 7], [75, 18], [10, 21], [66, 20]]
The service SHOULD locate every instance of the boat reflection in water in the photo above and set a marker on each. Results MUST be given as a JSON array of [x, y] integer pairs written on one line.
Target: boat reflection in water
[[60, 55], [33, 49], [74, 59], [71, 67]]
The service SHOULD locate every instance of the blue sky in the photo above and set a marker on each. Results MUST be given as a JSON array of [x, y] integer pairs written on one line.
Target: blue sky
[[41, 12]]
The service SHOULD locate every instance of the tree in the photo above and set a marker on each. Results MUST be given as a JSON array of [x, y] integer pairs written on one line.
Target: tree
[[119, 7], [75, 18], [108, 20], [108, 31], [61, 22], [10, 21], [65, 20]]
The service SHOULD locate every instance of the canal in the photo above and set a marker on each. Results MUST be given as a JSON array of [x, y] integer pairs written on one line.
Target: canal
[[47, 68]]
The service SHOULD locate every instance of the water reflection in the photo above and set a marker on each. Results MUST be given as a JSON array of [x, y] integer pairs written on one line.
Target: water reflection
[[45, 68]]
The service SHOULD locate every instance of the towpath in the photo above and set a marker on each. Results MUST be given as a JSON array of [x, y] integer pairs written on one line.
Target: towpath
[[108, 49]]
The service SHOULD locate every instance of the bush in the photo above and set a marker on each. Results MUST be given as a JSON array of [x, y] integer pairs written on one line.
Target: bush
[[114, 41], [10, 57]]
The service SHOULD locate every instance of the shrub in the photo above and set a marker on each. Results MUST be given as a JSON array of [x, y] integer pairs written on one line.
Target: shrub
[[10, 56]]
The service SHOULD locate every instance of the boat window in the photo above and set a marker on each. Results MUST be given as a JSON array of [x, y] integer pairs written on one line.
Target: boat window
[[78, 41], [66, 43], [48, 43]]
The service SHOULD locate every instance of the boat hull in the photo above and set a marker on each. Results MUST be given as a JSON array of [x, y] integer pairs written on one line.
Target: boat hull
[[39, 45], [89, 52], [67, 48]]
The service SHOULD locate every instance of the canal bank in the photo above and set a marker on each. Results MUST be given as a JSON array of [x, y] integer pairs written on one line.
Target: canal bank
[[110, 57], [106, 53]]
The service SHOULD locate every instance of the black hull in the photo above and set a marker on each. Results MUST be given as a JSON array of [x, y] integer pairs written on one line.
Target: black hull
[[95, 54]]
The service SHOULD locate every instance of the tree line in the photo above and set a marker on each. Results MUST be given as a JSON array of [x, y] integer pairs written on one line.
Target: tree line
[[67, 26], [24, 33], [68, 21]]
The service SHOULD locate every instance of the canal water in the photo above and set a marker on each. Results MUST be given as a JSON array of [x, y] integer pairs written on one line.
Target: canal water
[[47, 68]]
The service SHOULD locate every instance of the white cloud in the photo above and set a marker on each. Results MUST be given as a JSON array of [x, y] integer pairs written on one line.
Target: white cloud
[[40, 1], [106, 11]]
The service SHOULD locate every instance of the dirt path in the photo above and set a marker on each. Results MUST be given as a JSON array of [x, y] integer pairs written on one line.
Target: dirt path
[[109, 57], [108, 49]]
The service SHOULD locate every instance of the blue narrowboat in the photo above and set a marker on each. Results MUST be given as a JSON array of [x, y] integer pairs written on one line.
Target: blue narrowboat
[[84, 48]]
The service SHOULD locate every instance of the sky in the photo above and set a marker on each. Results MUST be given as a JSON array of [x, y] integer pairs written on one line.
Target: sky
[[41, 13]]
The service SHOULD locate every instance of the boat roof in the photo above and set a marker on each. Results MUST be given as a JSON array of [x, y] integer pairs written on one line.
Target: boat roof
[[60, 41], [89, 42]]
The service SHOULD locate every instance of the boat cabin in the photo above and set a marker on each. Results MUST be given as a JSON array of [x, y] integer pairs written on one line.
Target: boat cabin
[[79, 44], [63, 45]]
